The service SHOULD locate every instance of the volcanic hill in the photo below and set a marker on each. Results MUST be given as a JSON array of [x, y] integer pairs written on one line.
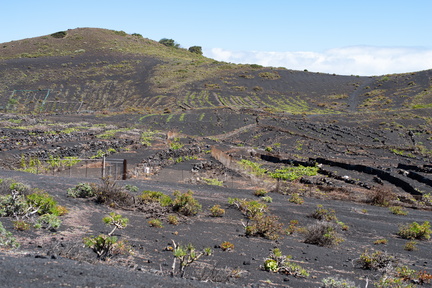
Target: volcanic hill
[[289, 145]]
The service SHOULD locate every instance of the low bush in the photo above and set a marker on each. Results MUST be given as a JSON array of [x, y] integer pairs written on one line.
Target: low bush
[[7, 240], [292, 227], [296, 199], [323, 214], [249, 208], [186, 204], [381, 196], [37, 207], [48, 221], [7, 186], [227, 246], [267, 199], [155, 196], [108, 193], [217, 211], [186, 255], [322, 234], [212, 181], [106, 246], [411, 246], [398, 210], [45, 203], [380, 242], [155, 223], [377, 260], [267, 226], [260, 192], [21, 225], [279, 263], [173, 219], [415, 231], [82, 190]]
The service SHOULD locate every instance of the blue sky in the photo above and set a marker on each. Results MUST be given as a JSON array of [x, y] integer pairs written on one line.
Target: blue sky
[[360, 37]]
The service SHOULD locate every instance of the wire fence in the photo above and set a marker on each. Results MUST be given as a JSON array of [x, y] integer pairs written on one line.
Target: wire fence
[[83, 168]]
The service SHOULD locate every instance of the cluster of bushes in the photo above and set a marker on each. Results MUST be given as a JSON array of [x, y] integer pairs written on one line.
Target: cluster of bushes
[[393, 274], [171, 43], [29, 207], [110, 194]]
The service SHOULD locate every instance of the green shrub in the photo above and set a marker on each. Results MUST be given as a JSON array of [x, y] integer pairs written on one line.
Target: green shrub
[[169, 43], [217, 211], [15, 205], [267, 199], [380, 241], [292, 227], [227, 246], [249, 208], [21, 225], [115, 220], [291, 173], [59, 210], [131, 188], [260, 192], [214, 182], [253, 167], [296, 199], [155, 196], [48, 221], [415, 231], [60, 34], [279, 263], [377, 260], [186, 204], [104, 246], [398, 210], [392, 282], [43, 201], [19, 205], [411, 246], [196, 50], [323, 214], [186, 255], [155, 223], [173, 219], [9, 186], [7, 240]]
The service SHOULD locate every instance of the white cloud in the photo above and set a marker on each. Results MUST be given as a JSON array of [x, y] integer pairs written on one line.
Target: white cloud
[[355, 60]]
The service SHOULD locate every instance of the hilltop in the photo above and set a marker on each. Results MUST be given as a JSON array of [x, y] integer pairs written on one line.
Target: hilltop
[[356, 147]]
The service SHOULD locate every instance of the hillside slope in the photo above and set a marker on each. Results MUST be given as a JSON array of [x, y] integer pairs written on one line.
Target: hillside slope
[[98, 69]]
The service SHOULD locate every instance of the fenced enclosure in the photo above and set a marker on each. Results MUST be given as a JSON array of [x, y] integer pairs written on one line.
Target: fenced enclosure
[[74, 167]]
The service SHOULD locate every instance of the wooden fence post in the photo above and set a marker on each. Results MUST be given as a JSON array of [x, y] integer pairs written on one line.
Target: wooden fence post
[[124, 169], [103, 167]]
